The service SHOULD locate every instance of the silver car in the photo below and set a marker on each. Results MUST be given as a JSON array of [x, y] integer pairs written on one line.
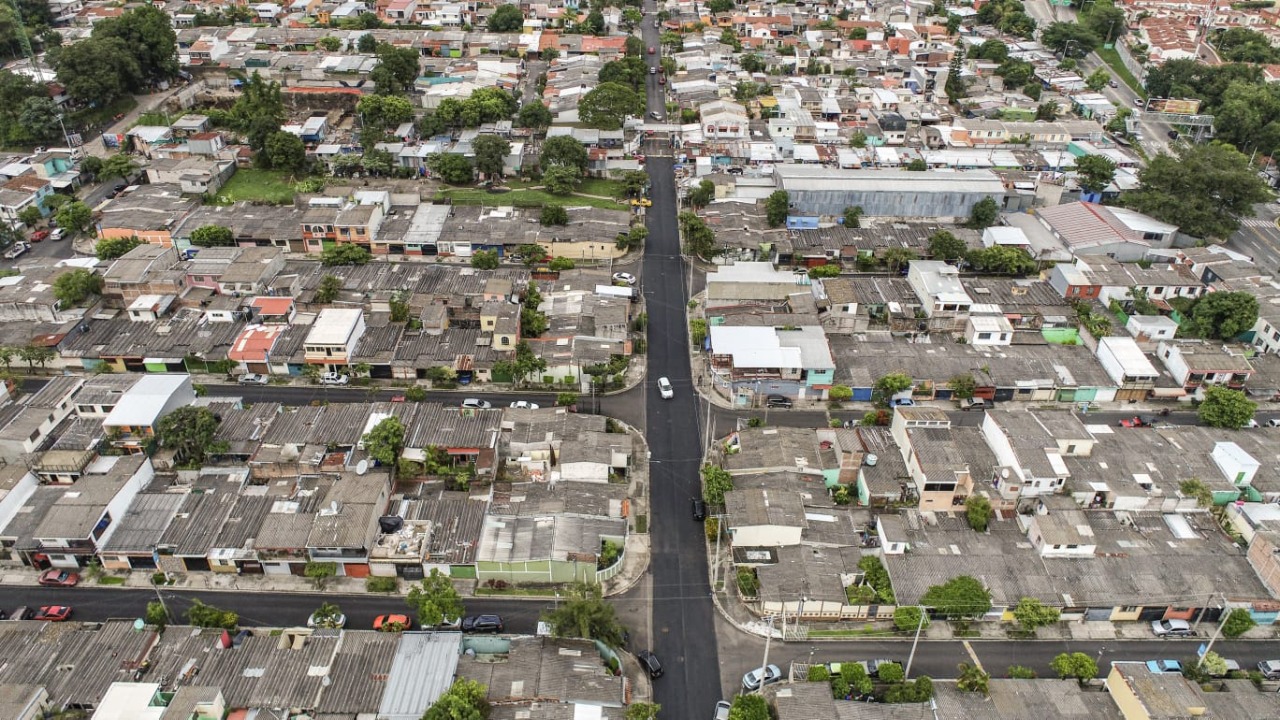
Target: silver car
[[760, 677]]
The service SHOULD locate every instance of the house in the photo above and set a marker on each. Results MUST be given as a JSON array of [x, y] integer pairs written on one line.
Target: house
[[1030, 451], [28, 425], [250, 271], [1090, 229], [1195, 364], [749, 362], [22, 192], [334, 336], [942, 297], [1142, 693], [1073, 281], [761, 518], [1123, 282], [132, 422], [345, 526], [193, 175], [938, 469], [144, 270], [252, 348], [1128, 367], [148, 212], [724, 120]]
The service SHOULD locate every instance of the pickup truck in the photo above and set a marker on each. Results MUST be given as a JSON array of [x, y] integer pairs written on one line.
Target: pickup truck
[[16, 250]]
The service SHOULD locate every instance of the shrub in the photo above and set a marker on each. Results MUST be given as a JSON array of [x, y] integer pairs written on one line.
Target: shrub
[[819, 673], [1238, 623], [376, 584], [1021, 672]]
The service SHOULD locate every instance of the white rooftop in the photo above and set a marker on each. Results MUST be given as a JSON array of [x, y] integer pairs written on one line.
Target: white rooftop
[[333, 326], [754, 347], [140, 405]]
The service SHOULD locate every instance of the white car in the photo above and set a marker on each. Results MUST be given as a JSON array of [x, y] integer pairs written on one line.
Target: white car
[[57, 234], [333, 378], [253, 379], [621, 277], [664, 389], [476, 404], [722, 710], [524, 405]]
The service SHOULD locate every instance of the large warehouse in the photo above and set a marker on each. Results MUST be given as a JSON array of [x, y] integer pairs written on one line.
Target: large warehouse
[[817, 190]]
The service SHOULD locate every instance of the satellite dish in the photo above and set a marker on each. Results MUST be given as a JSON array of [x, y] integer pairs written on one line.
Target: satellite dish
[[362, 467]]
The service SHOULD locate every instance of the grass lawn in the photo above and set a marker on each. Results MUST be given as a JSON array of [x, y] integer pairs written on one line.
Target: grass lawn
[[517, 591], [257, 184], [111, 580], [517, 197], [868, 631], [600, 186], [1112, 59]]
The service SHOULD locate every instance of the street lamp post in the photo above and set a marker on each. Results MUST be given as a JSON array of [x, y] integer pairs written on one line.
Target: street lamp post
[[906, 672]]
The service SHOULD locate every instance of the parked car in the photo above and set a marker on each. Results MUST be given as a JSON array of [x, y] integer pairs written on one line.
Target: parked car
[[333, 378], [655, 115], [650, 663], [482, 624], [53, 613], [524, 405], [1137, 421], [1113, 83], [391, 623], [973, 404], [23, 613], [777, 401], [115, 191], [327, 617], [18, 249], [650, 49], [664, 389], [653, 71], [873, 666], [1171, 628], [902, 402], [59, 578], [662, 80], [699, 509], [1164, 666], [39, 236], [57, 234], [253, 379], [760, 677], [625, 278], [722, 710], [1270, 669], [1273, 422], [1232, 666], [397, 398], [476, 404]]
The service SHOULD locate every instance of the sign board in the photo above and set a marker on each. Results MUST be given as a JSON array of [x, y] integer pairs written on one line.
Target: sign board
[[1173, 106]]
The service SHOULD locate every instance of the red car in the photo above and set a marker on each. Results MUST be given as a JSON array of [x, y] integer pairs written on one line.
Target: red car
[[397, 398], [59, 578], [1135, 421], [391, 623], [662, 81], [53, 613], [650, 50], [39, 235]]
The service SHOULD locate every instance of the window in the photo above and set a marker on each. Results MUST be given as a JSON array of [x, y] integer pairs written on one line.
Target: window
[[984, 336], [1158, 291], [506, 340]]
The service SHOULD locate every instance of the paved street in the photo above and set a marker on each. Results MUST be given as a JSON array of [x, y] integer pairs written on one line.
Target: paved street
[[1259, 238]]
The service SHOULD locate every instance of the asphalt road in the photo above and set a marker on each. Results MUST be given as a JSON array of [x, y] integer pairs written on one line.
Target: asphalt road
[[1259, 238], [682, 614]]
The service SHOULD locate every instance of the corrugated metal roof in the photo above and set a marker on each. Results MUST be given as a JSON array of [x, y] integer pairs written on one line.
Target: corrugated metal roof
[[423, 668]]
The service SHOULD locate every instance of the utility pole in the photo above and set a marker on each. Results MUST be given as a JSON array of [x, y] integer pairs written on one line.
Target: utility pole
[[1200, 615], [765, 663], [160, 597], [906, 672], [1216, 632]]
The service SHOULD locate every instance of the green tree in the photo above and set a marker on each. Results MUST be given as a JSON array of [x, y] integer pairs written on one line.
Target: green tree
[[39, 118], [259, 111], [1213, 664], [1048, 111], [840, 393], [1222, 315], [702, 194], [908, 617], [148, 34], [891, 384], [984, 213], [716, 481], [491, 153], [564, 151], [1001, 259], [977, 510], [75, 217], [485, 260], [853, 216], [1020, 672], [385, 441], [608, 104], [955, 85], [777, 207], [554, 215], [119, 165], [1098, 79], [1106, 21], [208, 616], [633, 238], [945, 246], [367, 44], [1238, 622], [1203, 189], [960, 597], [156, 615], [973, 679], [1031, 614], [993, 50], [189, 431], [112, 248], [398, 304], [534, 114], [505, 19], [36, 354], [1069, 39], [1034, 89], [917, 165], [583, 613], [560, 264], [962, 386], [327, 292], [320, 572], [828, 270], [561, 179], [396, 71], [749, 707], [642, 711], [1195, 488], [464, 700], [453, 168], [1225, 408], [30, 215], [98, 71], [699, 238], [329, 43], [435, 600], [1076, 665], [630, 71], [1095, 172], [383, 112], [212, 236], [73, 287], [283, 151], [345, 254]]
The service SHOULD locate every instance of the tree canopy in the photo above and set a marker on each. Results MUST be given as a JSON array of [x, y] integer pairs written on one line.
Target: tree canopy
[[776, 207], [464, 700], [435, 600], [188, 431], [585, 614], [1226, 408], [962, 596], [212, 236], [1095, 172], [385, 441], [112, 248], [563, 150], [506, 18], [1221, 315], [491, 153], [608, 104], [1203, 189], [74, 287]]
